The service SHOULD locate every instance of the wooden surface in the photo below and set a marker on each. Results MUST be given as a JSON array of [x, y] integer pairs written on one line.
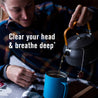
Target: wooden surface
[[80, 90]]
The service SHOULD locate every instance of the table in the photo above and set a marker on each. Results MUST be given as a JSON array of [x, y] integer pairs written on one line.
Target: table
[[11, 90], [81, 90], [77, 89]]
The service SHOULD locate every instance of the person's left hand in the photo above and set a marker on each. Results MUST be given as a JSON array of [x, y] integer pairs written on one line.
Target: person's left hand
[[20, 75]]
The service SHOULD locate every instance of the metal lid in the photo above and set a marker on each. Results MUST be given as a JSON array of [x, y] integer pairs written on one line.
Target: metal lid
[[80, 41]]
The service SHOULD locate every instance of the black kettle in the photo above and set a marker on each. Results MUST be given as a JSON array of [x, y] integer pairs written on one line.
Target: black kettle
[[80, 49]]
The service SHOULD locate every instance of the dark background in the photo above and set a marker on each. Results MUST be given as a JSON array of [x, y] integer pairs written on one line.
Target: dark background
[[72, 3]]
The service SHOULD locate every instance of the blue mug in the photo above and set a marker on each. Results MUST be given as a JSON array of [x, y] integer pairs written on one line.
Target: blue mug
[[56, 85]]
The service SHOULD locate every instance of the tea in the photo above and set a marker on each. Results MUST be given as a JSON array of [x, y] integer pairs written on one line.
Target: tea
[[56, 75], [62, 59]]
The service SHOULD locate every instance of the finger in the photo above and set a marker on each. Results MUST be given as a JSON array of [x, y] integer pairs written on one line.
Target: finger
[[83, 17], [29, 73], [75, 15], [28, 79], [23, 83]]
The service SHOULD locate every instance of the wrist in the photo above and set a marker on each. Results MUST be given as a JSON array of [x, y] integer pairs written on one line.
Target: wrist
[[4, 71]]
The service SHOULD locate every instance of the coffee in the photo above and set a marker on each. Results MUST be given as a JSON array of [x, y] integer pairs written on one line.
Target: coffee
[[56, 74], [62, 60]]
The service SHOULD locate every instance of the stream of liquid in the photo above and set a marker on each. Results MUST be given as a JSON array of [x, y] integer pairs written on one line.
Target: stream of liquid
[[61, 62]]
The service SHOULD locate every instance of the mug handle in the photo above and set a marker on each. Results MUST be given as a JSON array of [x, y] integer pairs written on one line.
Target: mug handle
[[65, 89]]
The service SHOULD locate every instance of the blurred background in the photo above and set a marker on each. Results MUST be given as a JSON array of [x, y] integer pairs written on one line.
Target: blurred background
[[72, 3], [69, 3]]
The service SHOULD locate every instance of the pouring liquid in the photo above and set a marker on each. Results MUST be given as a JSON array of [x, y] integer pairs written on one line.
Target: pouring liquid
[[81, 73], [61, 62]]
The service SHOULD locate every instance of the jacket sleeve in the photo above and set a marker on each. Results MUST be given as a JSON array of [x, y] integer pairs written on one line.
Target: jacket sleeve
[[1, 69], [4, 52]]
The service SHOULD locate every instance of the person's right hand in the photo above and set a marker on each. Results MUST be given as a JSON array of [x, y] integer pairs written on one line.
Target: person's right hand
[[82, 15], [20, 75]]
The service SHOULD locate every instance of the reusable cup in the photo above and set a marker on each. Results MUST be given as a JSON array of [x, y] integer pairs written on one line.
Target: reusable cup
[[56, 85]]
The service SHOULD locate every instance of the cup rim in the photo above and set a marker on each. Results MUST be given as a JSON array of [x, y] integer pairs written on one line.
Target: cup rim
[[63, 74]]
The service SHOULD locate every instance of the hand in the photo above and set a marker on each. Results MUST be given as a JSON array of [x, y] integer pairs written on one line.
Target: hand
[[20, 75], [82, 15]]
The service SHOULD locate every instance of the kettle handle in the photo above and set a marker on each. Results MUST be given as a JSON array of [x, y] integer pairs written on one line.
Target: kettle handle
[[65, 32]]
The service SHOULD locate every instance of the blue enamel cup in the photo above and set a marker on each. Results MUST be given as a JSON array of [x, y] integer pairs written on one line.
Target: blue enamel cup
[[56, 85]]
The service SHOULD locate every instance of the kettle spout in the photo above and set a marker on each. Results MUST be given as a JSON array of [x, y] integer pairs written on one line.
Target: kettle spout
[[67, 52]]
